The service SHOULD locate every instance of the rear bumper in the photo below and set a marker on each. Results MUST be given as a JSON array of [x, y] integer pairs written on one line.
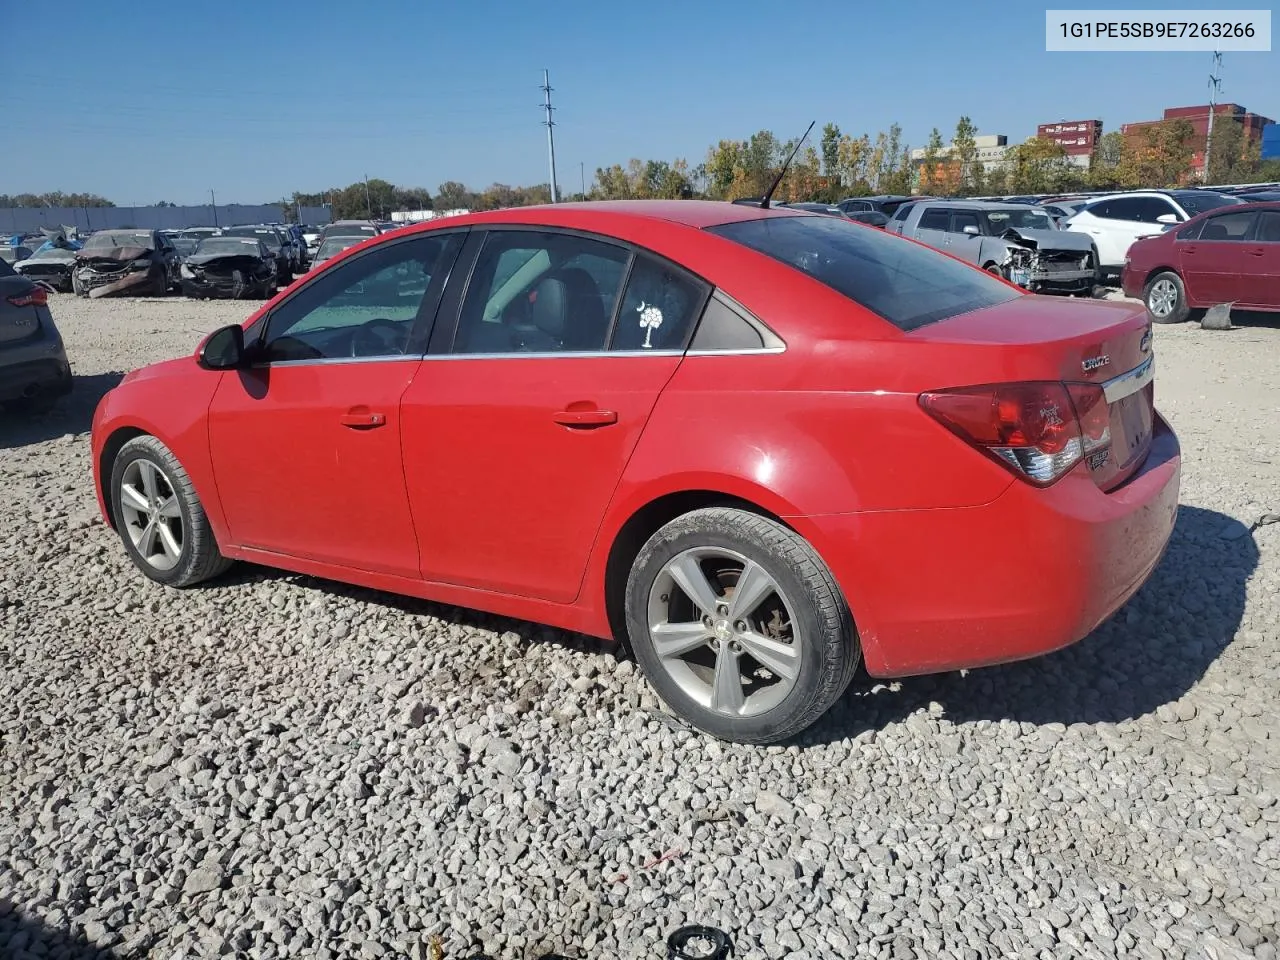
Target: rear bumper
[[1031, 572], [1131, 283], [26, 378]]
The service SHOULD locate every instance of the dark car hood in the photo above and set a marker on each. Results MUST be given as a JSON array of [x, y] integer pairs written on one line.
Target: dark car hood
[[115, 253], [203, 259], [58, 256]]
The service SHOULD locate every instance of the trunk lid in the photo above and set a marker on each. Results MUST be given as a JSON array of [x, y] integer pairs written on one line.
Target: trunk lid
[[1106, 343]]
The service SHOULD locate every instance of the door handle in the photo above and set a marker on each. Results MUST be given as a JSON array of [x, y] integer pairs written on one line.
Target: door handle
[[362, 421], [1256, 253], [585, 418]]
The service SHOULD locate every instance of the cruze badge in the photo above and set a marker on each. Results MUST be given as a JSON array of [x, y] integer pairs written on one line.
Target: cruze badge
[[1095, 363]]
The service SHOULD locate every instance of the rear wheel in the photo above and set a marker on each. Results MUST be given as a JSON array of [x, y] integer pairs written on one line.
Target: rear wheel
[[739, 626], [160, 284], [994, 268], [159, 517], [1166, 298]]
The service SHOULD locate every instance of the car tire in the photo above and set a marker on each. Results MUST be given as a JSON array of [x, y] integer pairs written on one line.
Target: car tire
[[169, 539], [995, 269], [1165, 298], [76, 286], [712, 550], [160, 284]]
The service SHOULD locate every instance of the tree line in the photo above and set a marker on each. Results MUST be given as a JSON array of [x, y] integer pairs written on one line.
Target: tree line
[[835, 166]]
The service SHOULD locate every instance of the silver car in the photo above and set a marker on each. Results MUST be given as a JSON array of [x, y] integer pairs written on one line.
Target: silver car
[[1014, 240]]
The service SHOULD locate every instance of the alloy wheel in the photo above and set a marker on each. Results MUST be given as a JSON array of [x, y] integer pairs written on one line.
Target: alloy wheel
[[724, 631], [1162, 298], [152, 515]]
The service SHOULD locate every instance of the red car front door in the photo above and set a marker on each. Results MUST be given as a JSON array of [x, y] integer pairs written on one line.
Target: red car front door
[[306, 443], [516, 438], [1211, 264]]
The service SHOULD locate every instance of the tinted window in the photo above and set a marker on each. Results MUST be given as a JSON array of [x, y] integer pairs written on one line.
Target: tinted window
[[934, 219], [901, 212], [963, 218], [725, 328], [658, 308], [1199, 202], [1124, 208], [5, 269], [1228, 226], [1269, 226], [533, 292], [365, 307], [1191, 232], [1153, 208], [905, 283]]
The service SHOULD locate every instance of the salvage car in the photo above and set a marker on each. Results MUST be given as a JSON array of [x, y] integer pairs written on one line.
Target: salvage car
[[275, 241], [234, 267], [140, 262], [51, 265], [1228, 255], [34, 371], [332, 247], [882, 396], [1013, 240]]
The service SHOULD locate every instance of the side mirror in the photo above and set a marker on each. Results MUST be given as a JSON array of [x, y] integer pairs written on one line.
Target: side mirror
[[224, 349], [970, 230], [1167, 218]]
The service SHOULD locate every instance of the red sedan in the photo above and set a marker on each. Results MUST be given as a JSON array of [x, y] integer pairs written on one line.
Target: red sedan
[[761, 445], [1227, 255]]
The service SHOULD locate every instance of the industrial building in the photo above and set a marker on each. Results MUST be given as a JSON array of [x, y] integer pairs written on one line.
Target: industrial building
[[1079, 138], [1252, 125]]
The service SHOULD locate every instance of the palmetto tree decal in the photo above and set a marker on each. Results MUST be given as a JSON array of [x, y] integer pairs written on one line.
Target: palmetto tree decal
[[650, 320]]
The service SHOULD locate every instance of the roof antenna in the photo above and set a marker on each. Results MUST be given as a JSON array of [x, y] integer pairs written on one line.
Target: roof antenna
[[764, 204]]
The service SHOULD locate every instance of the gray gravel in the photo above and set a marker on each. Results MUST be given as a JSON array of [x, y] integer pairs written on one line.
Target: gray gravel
[[277, 766]]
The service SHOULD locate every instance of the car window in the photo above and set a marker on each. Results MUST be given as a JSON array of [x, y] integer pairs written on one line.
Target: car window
[[1127, 208], [1200, 201], [365, 307], [1269, 226], [907, 284], [934, 219], [1229, 226], [658, 308], [1191, 232], [902, 211], [1153, 208], [964, 218], [536, 292]]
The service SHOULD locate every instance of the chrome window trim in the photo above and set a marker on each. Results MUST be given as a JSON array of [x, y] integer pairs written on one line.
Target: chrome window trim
[[388, 358], [1127, 384], [735, 353], [556, 355]]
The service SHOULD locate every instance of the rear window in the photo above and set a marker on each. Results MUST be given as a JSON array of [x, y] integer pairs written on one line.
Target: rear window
[[905, 283]]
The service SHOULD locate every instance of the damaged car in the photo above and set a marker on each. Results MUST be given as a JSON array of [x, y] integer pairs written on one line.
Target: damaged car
[[234, 267], [50, 265], [1015, 241], [139, 262]]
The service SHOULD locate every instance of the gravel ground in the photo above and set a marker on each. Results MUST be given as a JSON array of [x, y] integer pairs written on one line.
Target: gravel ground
[[278, 766]]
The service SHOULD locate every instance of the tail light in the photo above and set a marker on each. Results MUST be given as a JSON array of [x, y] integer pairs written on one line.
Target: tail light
[[1038, 430], [38, 297]]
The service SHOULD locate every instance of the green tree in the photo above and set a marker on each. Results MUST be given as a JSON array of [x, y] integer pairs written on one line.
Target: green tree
[[930, 175], [1039, 165], [452, 195], [831, 152], [964, 143]]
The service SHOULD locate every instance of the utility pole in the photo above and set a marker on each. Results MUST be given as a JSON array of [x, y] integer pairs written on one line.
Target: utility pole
[[582, 172], [368, 204], [1215, 88], [213, 205], [551, 138]]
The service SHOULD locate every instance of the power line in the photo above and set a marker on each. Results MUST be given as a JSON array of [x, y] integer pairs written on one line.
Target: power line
[[549, 123]]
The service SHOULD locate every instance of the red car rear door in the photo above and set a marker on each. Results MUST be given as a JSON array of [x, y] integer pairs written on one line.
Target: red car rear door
[[1260, 273], [522, 419], [1211, 264], [306, 443]]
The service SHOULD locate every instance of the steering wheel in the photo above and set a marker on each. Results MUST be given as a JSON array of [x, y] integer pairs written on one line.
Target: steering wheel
[[378, 337]]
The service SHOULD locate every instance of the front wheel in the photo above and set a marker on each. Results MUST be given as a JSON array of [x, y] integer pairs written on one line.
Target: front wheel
[[77, 287], [1166, 298], [739, 626], [159, 517]]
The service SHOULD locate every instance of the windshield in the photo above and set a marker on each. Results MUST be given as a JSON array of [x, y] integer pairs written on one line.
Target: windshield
[[53, 253], [335, 246], [351, 230], [1029, 219], [10, 254], [110, 239], [1199, 202], [228, 245], [906, 283], [265, 234]]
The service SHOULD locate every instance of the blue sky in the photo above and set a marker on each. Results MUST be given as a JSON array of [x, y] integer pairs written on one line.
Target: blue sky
[[256, 99]]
